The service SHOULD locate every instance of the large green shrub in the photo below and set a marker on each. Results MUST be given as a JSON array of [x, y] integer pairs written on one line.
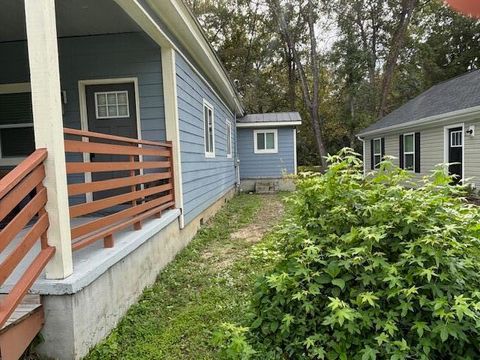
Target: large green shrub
[[373, 268]]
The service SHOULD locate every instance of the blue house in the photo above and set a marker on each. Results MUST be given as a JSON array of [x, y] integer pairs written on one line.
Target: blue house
[[267, 149], [118, 139]]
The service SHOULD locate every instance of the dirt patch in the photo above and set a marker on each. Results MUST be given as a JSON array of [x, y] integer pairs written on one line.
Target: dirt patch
[[268, 216]]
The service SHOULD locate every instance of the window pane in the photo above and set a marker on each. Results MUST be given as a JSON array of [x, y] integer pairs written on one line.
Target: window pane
[[122, 98], [270, 141], [377, 159], [122, 110], [112, 111], [377, 144], [111, 99], [101, 99], [408, 140], [102, 111], [15, 108], [409, 161], [260, 141], [17, 141]]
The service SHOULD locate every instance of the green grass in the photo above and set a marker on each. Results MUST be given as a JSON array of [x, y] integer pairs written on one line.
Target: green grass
[[207, 284]]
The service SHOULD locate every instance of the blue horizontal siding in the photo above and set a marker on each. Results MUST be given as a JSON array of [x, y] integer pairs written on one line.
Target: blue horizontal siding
[[205, 180], [254, 166], [99, 57]]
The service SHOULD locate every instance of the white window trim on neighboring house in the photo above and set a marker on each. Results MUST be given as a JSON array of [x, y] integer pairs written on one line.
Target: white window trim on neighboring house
[[208, 154], [229, 143], [14, 88], [405, 153], [375, 154], [446, 145], [256, 150]]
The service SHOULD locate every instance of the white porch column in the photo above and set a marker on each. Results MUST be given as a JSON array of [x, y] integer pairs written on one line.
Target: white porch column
[[48, 126], [172, 122]]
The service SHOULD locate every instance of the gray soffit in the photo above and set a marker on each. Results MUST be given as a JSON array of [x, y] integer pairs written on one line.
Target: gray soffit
[[456, 94]]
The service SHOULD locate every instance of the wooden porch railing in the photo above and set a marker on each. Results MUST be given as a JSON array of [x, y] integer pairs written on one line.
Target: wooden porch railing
[[144, 190], [22, 188]]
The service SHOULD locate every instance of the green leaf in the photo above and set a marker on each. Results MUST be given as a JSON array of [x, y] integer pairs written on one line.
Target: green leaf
[[339, 282]]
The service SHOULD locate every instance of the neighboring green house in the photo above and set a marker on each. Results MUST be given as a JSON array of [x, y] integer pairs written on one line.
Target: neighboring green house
[[436, 127]]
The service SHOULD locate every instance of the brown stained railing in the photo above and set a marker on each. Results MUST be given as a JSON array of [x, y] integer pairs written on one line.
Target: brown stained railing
[[22, 201], [147, 188]]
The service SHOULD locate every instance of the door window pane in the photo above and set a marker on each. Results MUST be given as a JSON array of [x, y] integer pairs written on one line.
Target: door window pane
[[112, 104]]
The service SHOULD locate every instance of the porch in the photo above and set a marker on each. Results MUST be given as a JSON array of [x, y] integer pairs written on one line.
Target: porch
[[88, 157]]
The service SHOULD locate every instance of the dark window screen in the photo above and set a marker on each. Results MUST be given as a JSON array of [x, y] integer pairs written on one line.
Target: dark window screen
[[17, 141]]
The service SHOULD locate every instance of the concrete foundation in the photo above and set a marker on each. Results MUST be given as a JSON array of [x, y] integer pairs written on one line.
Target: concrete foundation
[[75, 322], [283, 184]]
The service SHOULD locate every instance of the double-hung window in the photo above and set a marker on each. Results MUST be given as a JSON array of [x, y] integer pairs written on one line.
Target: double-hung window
[[16, 124], [265, 141], [229, 139], [409, 151], [209, 128]]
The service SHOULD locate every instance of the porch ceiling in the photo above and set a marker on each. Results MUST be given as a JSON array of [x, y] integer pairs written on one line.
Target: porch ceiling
[[74, 18]]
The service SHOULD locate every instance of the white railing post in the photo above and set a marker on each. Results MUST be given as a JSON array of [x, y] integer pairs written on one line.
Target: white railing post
[[48, 126], [172, 129]]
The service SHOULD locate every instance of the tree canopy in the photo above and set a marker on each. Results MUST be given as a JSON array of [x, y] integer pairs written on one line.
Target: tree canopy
[[341, 63]]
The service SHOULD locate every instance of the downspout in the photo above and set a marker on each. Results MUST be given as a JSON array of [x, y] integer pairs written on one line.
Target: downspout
[[363, 153], [237, 159]]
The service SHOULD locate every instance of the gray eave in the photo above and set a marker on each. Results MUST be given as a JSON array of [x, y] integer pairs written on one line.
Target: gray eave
[[441, 102]]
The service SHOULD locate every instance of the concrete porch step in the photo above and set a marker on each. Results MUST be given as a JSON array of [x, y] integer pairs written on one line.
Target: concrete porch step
[[21, 328]]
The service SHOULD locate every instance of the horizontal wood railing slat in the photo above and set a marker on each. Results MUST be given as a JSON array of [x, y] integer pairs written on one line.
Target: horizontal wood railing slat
[[102, 234], [90, 134], [101, 148], [10, 302], [80, 167], [90, 207], [9, 181], [16, 256], [22, 218], [108, 220], [23, 188], [76, 189]]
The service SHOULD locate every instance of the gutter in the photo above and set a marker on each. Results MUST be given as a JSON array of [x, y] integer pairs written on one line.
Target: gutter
[[471, 113]]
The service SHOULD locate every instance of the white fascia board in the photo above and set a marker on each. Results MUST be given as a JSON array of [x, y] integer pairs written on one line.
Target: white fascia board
[[468, 114], [269, 124], [179, 20]]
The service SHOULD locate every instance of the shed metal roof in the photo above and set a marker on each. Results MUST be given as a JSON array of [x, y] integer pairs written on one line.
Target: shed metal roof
[[285, 117], [459, 93]]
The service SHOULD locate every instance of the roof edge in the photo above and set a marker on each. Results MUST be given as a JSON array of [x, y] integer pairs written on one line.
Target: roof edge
[[268, 124], [464, 114]]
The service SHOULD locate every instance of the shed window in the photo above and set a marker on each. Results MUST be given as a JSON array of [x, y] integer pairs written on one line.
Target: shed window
[[16, 125], [112, 104], [409, 151], [265, 141], [229, 139], [209, 127]]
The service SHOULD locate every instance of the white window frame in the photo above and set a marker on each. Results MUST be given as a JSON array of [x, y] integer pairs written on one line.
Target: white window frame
[[14, 88], [106, 93], [375, 164], [229, 143], [409, 152], [452, 137], [208, 154], [275, 142]]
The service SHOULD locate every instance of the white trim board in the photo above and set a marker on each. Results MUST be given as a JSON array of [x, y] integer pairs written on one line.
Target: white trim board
[[82, 99], [268, 124], [295, 171], [445, 146]]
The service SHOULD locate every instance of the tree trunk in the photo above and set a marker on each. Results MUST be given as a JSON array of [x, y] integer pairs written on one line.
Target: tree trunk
[[408, 8]]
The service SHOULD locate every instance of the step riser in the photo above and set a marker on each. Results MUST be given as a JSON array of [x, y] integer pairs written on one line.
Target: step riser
[[16, 339]]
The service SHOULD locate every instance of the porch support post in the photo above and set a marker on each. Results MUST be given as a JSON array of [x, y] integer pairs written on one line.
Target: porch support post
[[172, 122], [48, 126]]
